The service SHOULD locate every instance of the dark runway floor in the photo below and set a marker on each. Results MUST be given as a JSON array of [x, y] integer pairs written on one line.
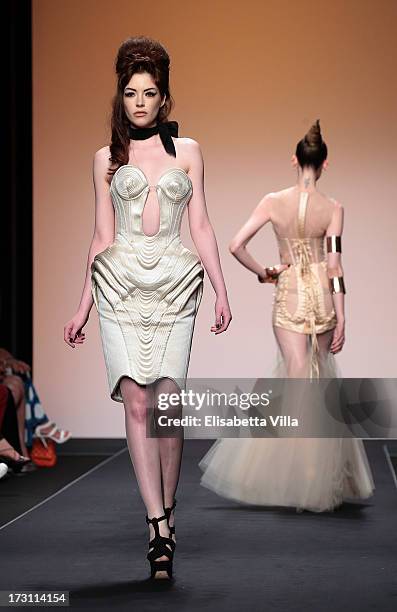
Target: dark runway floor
[[91, 539]]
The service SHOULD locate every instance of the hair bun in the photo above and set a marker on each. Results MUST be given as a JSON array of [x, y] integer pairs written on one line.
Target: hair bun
[[313, 137], [141, 49], [311, 150], [137, 57]]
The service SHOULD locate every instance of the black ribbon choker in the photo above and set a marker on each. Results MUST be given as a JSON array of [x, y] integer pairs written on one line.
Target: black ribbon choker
[[166, 130]]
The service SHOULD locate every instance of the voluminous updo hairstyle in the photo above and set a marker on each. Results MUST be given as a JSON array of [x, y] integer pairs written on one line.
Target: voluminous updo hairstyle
[[136, 54], [312, 150]]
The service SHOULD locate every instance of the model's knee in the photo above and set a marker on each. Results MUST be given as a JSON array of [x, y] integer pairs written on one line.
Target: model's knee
[[136, 410], [136, 400], [297, 365]]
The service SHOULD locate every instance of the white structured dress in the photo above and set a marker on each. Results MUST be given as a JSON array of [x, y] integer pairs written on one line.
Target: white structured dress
[[147, 289]]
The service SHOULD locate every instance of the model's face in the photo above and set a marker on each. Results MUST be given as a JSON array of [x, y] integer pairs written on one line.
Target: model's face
[[142, 100]]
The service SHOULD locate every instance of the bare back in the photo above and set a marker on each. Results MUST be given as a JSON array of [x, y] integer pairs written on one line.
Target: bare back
[[302, 301], [285, 213]]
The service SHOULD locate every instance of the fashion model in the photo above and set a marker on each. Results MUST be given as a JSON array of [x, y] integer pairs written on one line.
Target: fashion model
[[146, 285], [308, 320]]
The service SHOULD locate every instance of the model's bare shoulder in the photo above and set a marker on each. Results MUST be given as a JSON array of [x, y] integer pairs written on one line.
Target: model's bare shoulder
[[275, 196], [189, 152], [189, 147], [189, 142], [336, 204], [270, 203], [102, 155]]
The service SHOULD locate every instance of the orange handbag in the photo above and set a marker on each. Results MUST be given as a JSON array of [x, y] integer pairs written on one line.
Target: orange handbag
[[44, 456]]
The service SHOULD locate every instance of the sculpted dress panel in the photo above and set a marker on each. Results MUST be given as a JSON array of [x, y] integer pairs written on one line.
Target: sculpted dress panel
[[316, 474], [147, 289]]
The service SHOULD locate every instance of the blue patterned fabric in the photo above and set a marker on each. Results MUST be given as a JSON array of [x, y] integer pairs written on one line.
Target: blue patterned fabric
[[34, 410]]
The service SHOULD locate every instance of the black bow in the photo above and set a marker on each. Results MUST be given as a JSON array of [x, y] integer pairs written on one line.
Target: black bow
[[166, 130]]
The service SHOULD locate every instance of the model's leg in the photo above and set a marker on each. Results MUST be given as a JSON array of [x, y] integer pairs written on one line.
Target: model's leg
[[324, 342], [17, 388], [170, 448], [294, 349], [295, 352], [144, 451]]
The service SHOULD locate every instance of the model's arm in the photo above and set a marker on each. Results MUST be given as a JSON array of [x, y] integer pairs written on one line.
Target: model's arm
[[335, 274], [103, 236], [204, 239], [238, 246]]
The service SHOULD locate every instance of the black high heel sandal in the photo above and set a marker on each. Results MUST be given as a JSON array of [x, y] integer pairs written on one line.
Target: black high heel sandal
[[168, 514], [161, 546]]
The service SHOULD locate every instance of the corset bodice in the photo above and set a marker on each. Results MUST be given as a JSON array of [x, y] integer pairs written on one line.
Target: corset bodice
[[293, 250], [129, 190], [302, 301]]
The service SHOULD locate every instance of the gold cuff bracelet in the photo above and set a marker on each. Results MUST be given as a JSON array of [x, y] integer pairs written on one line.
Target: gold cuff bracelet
[[334, 244], [337, 284]]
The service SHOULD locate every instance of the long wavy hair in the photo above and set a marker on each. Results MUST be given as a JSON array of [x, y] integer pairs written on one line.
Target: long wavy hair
[[136, 54], [312, 150]]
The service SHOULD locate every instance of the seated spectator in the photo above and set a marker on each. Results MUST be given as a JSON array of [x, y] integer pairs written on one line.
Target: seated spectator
[[9, 456], [15, 374]]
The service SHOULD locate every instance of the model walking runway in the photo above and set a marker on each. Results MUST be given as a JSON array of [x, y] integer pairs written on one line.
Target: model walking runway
[[145, 284], [308, 321]]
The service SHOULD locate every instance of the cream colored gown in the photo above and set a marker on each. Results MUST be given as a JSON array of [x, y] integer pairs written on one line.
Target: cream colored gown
[[315, 474], [147, 289]]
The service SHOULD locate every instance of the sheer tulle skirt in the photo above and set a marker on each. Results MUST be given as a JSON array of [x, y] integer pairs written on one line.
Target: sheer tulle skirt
[[315, 474]]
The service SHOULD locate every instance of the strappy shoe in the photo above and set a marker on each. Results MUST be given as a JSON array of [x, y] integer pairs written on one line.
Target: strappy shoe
[[160, 546], [59, 436], [167, 512]]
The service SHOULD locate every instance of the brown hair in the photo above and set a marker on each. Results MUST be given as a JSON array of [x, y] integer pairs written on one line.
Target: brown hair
[[312, 150], [136, 54]]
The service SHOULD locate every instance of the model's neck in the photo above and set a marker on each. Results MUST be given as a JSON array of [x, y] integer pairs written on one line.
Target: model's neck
[[307, 180], [143, 127]]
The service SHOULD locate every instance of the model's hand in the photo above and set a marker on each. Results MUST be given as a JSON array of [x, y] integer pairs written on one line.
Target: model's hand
[[223, 316], [271, 274], [338, 339], [72, 332]]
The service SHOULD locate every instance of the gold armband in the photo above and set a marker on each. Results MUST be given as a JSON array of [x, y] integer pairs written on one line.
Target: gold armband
[[334, 244], [337, 285]]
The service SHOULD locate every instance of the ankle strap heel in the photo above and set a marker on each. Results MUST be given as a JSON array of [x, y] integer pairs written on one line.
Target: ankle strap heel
[[167, 512], [161, 546]]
